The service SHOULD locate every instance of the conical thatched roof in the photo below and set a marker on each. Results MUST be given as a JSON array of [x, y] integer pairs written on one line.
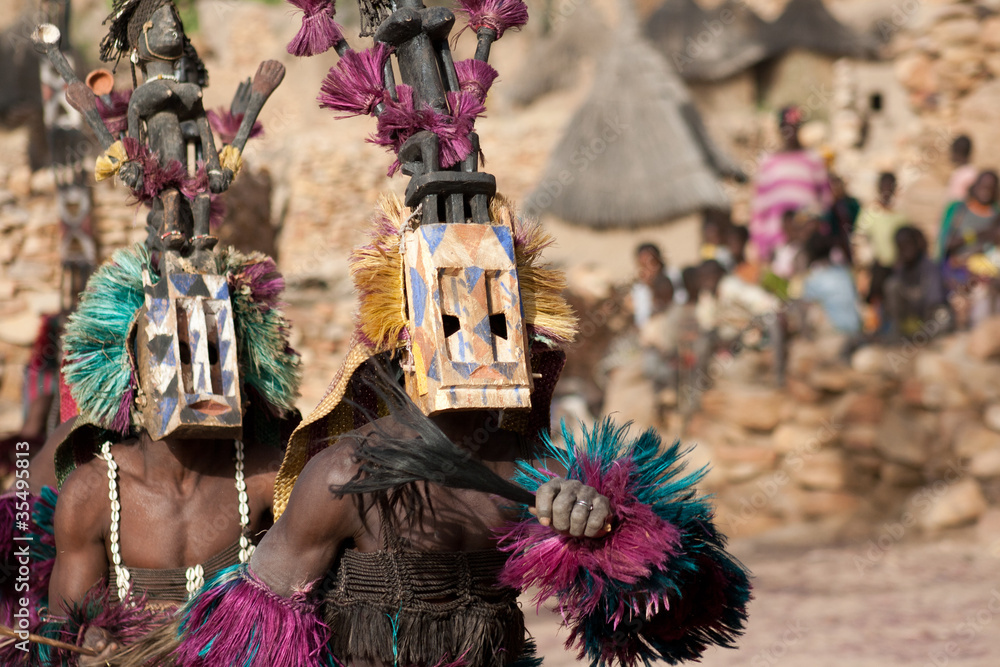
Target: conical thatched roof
[[553, 63], [714, 45], [709, 45], [809, 25], [635, 153]]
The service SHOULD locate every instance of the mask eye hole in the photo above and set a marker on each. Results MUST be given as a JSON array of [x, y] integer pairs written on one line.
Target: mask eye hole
[[451, 325], [213, 353], [498, 325]]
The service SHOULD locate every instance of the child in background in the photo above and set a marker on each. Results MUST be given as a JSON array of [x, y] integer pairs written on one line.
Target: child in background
[[745, 270], [658, 337], [736, 305], [965, 172], [914, 293], [971, 225], [714, 228], [649, 266], [831, 286], [840, 219], [877, 224], [788, 259]]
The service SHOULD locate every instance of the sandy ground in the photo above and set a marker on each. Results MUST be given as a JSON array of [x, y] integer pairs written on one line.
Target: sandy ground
[[933, 603]]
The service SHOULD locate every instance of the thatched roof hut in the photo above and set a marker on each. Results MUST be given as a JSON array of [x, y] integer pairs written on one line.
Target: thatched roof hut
[[720, 43], [809, 25], [709, 45], [636, 152]]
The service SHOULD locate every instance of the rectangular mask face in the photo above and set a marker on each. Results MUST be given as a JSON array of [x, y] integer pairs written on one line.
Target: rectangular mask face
[[467, 336], [187, 359]]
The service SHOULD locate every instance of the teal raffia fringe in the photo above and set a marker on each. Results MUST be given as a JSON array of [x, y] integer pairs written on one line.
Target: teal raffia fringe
[[661, 585], [237, 621], [100, 370]]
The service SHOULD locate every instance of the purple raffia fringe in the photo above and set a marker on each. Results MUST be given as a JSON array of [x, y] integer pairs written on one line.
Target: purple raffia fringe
[[476, 77], [498, 15], [640, 544], [454, 130], [226, 124], [354, 86], [319, 31], [100, 607], [238, 620], [123, 418], [264, 281], [115, 117], [155, 177], [402, 119]]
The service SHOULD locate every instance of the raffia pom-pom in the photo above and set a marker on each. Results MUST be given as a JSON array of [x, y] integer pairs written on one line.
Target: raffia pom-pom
[[354, 86], [319, 31], [111, 162], [231, 159], [497, 15]]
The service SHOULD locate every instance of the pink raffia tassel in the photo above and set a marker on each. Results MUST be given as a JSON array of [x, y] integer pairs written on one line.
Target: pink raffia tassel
[[399, 121], [354, 86], [156, 177], [115, 116], [640, 544], [453, 130], [226, 124], [319, 31], [497, 15], [475, 77], [238, 620]]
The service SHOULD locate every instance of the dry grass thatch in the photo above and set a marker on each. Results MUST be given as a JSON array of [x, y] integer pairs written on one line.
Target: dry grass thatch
[[553, 62], [710, 45], [635, 153], [809, 25]]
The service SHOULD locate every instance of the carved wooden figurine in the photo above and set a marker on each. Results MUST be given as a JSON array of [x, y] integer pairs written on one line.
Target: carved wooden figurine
[[166, 115]]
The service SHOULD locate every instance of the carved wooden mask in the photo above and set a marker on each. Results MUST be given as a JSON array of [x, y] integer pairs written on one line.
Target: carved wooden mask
[[187, 358], [467, 332]]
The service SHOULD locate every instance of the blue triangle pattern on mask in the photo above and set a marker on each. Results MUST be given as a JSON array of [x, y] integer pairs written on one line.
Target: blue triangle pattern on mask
[[433, 234]]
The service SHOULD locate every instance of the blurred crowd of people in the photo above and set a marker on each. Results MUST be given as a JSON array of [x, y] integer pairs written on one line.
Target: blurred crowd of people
[[812, 260]]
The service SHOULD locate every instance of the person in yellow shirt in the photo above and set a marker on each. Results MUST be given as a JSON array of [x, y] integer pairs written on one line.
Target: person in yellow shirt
[[878, 224]]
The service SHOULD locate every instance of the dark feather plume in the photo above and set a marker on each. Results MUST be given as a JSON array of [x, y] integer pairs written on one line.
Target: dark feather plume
[[390, 462]]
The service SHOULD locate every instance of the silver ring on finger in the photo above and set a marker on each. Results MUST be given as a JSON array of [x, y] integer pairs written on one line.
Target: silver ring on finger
[[585, 503]]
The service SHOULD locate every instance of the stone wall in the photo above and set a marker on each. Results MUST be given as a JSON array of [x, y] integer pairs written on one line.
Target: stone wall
[[906, 435]]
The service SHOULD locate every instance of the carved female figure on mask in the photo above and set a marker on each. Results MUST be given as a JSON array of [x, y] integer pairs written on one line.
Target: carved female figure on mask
[[151, 33]]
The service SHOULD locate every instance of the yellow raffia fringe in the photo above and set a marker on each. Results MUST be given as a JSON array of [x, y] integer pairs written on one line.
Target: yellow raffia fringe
[[377, 269], [107, 165], [231, 159]]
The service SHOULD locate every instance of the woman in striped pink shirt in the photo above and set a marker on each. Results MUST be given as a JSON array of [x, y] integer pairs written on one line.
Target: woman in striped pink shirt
[[792, 179]]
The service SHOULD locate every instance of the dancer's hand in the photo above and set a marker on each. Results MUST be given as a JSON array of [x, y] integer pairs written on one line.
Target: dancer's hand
[[101, 641], [572, 508]]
